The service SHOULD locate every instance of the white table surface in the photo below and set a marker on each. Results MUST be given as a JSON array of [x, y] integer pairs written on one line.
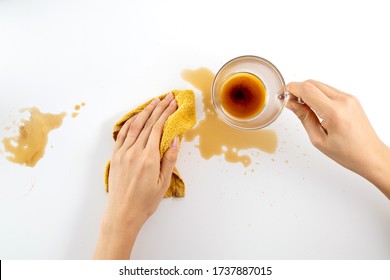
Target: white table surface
[[113, 55]]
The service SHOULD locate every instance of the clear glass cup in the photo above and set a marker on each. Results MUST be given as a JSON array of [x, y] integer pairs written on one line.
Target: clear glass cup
[[276, 94]]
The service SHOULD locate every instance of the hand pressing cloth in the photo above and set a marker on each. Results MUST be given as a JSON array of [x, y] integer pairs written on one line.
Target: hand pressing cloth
[[177, 124]]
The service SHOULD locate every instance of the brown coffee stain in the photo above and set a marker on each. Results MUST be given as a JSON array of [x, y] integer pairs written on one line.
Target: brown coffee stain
[[216, 137], [77, 108], [28, 147]]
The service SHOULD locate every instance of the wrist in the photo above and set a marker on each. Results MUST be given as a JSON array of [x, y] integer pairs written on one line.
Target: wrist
[[116, 224], [116, 240], [380, 170]]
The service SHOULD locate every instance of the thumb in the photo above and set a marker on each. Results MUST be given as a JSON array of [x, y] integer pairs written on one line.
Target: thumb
[[169, 160], [310, 122]]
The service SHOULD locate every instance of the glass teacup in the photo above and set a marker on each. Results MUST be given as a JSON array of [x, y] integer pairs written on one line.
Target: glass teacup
[[275, 98]]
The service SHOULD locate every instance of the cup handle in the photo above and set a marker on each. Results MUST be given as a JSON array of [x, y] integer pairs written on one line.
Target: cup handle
[[289, 96]]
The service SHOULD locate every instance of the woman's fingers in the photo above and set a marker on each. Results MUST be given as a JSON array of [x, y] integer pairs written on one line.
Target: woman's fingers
[[168, 163], [153, 141], [166, 107], [138, 124], [120, 139], [310, 121], [314, 97], [328, 90]]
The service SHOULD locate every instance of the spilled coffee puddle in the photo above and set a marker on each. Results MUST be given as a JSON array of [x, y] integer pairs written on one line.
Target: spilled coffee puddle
[[28, 146], [216, 137], [24, 141]]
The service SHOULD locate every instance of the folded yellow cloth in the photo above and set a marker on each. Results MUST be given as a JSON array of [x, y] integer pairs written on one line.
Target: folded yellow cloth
[[177, 124]]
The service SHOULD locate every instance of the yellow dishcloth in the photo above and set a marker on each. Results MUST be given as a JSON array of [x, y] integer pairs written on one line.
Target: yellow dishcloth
[[177, 124]]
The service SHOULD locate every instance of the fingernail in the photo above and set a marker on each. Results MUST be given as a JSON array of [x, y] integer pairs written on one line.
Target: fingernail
[[173, 103], [175, 142], [155, 101], [169, 96]]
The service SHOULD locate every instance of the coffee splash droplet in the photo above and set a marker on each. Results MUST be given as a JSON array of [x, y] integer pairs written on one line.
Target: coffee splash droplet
[[77, 108]]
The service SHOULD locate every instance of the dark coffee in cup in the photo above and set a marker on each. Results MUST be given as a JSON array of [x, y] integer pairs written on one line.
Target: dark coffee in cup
[[243, 95]]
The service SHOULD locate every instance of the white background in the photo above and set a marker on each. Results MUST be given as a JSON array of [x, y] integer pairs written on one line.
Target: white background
[[113, 55]]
